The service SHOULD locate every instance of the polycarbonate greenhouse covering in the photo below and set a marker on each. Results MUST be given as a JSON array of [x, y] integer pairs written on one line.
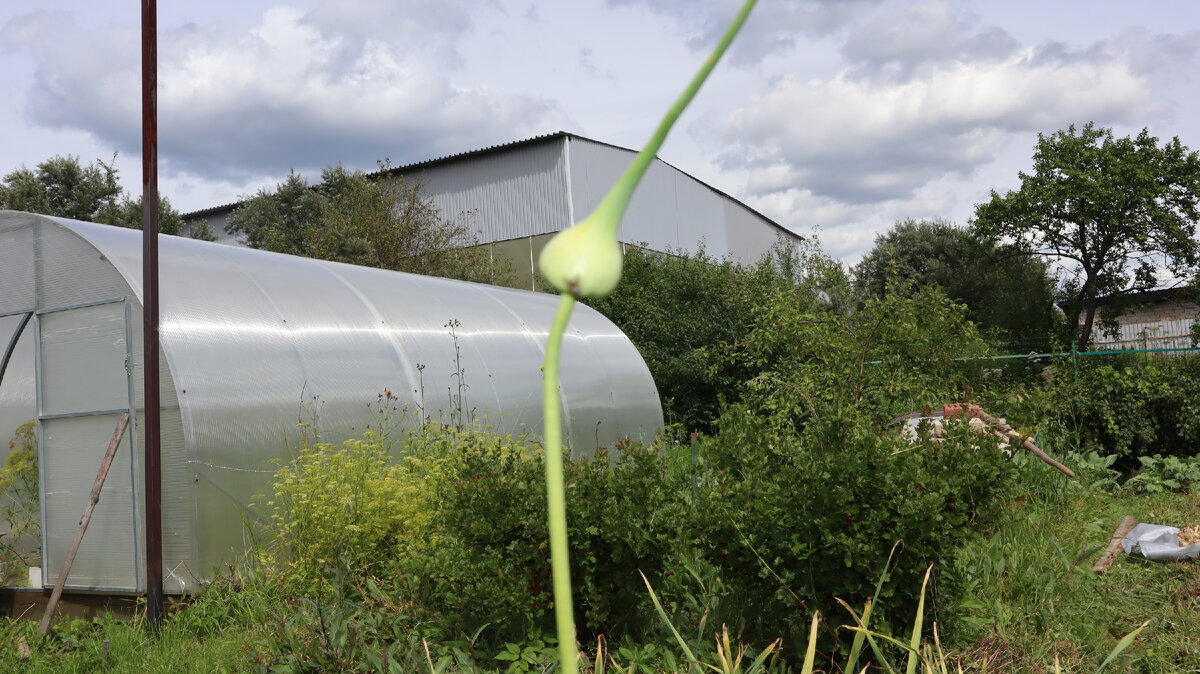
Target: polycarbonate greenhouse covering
[[253, 345]]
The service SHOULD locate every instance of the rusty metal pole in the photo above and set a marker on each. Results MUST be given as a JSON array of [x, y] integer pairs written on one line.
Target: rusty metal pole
[[154, 577]]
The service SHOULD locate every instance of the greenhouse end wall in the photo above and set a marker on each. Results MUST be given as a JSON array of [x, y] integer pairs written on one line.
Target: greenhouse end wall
[[253, 344]]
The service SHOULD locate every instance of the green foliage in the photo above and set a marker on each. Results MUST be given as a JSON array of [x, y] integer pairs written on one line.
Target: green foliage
[[347, 506], [535, 654], [677, 309], [19, 502], [1170, 473], [129, 215], [1119, 209], [62, 186], [378, 222], [1007, 297], [491, 562], [279, 220], [794, 520], [1128, 409], [890, 357]]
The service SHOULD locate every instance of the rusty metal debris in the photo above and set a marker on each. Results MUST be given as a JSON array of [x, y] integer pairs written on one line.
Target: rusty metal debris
[[982, 422]]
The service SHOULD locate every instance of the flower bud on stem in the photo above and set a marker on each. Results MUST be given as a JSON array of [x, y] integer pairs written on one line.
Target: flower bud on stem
[[584, 260]]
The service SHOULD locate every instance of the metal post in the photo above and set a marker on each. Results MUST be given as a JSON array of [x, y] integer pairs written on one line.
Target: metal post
[[1074, 360], [154, 577]]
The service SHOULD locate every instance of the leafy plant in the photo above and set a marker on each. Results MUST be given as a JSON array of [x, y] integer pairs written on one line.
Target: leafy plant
[[347, 504], [19, 500], [666, 303], [891, 356], [1169, 473], [535, 654], [794, 520]]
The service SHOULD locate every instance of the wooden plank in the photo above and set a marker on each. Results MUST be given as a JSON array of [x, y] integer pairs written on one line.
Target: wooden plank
[[93, 499], [1127, 524]]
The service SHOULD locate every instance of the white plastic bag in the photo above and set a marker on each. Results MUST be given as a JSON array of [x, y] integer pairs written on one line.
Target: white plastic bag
[[1158, 543]]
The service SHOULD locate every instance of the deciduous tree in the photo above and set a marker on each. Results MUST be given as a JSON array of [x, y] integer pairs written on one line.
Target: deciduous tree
[[1010, 298], [62, 186], [1120, 209], [378, 222]]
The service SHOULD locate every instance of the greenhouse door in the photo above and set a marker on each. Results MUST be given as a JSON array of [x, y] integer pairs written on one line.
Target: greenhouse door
[[83, 385]]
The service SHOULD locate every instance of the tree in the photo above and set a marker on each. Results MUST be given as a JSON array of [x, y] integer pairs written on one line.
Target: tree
[[350, 217], [1010, 298], [129, 215], [63, 187], [684, 312], [1120, 209]]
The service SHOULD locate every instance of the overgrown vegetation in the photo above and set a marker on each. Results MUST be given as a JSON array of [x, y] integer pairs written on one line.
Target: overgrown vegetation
[[426, 550], [19, 504], [384, 222], [63, 186], [682, 310]]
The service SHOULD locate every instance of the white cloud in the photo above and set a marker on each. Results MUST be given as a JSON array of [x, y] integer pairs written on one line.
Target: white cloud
[[295, 91], [899, 39], [773, 28], [862, 141]]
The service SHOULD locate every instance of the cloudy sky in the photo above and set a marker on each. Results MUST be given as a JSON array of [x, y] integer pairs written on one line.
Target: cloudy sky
[[845, 115]]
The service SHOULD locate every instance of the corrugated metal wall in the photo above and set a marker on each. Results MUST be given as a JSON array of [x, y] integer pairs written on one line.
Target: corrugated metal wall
[[1165, 334], [512, 194], [669, 210]]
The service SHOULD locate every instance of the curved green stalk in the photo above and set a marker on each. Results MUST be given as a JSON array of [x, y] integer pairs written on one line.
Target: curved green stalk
[[585, 260], [556, 499]]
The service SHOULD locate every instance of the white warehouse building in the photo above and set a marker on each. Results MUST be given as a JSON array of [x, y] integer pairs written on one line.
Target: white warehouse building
[[521, 193]]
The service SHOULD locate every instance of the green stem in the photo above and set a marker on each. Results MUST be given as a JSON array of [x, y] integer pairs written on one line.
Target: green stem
[[615, 202], [618, 197], [556, 497]]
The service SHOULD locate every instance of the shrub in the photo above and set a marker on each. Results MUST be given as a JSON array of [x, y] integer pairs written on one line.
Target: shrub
[[796, 519], [666, 304], [347, 506], [491, 564], [1129, 408], [19, 500], [891, 356]]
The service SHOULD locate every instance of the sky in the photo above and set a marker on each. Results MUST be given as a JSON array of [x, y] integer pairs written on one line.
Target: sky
[[833, 117]]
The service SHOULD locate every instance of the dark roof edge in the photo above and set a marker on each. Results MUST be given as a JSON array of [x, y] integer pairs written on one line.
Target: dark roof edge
[[503, 147], [1184, 293]]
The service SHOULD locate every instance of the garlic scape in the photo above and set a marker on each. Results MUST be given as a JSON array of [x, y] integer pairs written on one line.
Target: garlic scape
[[584, 260]]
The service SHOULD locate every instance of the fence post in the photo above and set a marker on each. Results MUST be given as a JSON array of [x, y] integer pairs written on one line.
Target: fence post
[[1074, 361]]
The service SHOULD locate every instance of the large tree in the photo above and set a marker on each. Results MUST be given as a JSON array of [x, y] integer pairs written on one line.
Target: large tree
[[354, 218], [1011, 298], [64, 187], [1120, 209]]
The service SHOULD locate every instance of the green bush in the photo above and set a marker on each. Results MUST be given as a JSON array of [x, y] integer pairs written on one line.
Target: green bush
[[19, 502], [891, 356], [348, 506], [794, 520], [491, 564], [678, 309], [1130, 408]]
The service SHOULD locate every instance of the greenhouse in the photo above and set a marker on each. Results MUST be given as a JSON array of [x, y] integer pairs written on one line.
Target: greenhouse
[[254, 344]]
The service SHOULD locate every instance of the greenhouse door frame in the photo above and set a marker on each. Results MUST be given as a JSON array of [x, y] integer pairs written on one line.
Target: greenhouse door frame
[[131, 439]]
